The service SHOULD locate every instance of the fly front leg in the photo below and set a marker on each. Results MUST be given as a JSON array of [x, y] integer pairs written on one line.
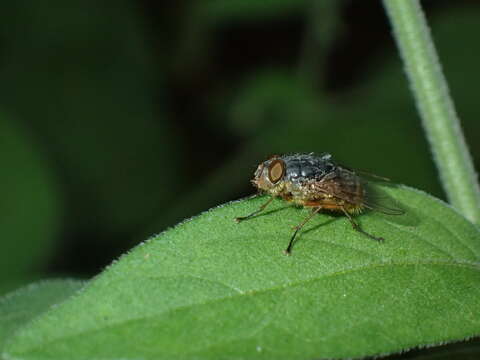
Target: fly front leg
[[241, 218], [297, 228]]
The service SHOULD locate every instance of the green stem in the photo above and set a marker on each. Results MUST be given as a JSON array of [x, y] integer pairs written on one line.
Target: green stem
[[437, 110]]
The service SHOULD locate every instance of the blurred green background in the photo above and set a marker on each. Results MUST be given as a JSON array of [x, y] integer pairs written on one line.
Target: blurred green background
[[121, 118]]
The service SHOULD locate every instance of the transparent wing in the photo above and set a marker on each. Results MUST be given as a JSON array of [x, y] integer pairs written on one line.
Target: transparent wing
[[377, 200], [373, 199]]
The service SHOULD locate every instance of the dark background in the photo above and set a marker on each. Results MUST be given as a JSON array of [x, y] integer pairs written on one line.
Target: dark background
[[118, 119]]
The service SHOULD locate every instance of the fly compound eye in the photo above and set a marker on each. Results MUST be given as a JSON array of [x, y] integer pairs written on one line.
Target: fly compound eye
[[276, 170]]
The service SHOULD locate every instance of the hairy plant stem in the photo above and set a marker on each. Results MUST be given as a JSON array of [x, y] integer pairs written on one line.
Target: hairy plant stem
[[436, 107]]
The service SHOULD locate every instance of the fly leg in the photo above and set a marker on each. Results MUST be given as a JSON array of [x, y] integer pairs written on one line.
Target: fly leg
[[288, 250], [240, 218], [358, 228]]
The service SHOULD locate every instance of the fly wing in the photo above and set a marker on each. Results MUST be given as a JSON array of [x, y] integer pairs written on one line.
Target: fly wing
[[376, 199], [347, 186], [342, 184]]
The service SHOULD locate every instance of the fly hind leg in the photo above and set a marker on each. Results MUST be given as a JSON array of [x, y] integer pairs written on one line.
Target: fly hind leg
[[357, 227]]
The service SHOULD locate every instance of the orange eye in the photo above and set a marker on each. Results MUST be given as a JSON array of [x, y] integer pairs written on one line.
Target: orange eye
[[276, 170]]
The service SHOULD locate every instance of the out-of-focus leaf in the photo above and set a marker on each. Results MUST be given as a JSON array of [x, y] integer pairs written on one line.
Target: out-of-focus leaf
[[21, 306], [80, 75], [211, 288], [269, 99], [29, 207]]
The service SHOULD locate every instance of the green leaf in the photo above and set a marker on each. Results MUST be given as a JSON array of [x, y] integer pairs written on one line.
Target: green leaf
[[21, 306], [210, 288]]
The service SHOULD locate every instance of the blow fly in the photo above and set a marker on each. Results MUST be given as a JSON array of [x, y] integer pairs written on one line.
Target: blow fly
[[318, 183]]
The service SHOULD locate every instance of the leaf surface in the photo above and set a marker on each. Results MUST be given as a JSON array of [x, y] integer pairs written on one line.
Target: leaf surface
[[19, 307], [210, 288]]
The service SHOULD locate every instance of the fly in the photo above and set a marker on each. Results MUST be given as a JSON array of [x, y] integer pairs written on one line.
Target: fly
[[318, 183]]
